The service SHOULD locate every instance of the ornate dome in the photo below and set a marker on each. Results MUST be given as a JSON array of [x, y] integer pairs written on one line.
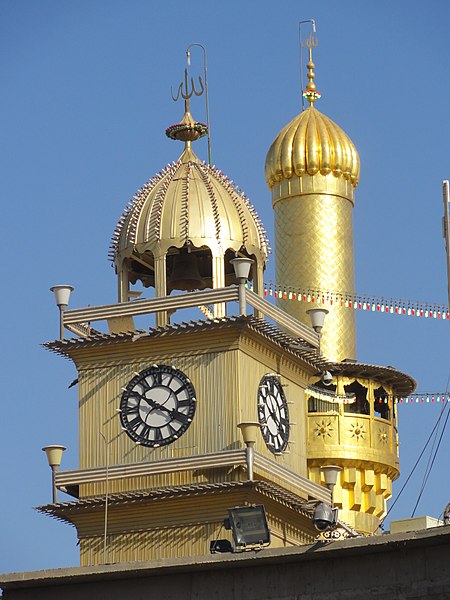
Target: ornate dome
[[311, 144], [191, 203], [190, 208]]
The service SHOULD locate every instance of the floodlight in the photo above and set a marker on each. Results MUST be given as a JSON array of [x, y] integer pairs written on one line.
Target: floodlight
[[249, 527]]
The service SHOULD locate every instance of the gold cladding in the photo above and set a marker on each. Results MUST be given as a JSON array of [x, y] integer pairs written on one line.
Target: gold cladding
[[314, 249], [366, 446]]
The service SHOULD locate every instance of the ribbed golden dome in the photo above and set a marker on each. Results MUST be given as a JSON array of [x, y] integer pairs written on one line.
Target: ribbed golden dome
[[189, 202], [311, 144]]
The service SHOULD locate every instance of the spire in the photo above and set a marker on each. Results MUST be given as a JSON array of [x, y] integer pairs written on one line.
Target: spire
[[311, 94]]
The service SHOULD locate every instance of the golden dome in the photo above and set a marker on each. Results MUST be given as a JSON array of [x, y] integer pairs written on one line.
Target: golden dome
[[189, 202], [312, 144], [183, 228]]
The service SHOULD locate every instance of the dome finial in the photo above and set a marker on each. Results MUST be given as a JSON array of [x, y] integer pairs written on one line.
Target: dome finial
[[311, 94], [187, 130]]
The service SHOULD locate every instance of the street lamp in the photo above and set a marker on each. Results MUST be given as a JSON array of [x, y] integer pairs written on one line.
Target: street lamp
[[242, 268], [330, 475], [317, 316], [249, 430], [326, 517], [62, 295], [54, 456]]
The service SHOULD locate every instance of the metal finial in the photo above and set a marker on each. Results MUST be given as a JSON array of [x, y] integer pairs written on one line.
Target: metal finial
[[188, 93], [187, 130], [205, 73], [311, 94]]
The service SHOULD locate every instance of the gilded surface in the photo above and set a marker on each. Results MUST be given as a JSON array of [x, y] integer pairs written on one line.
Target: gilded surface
[[365, 445], [310, 144], [225, 371], [314, 249], [189, 201]]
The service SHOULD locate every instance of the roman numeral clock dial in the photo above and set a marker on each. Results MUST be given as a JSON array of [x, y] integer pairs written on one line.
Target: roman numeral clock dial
[[273, 414], [157, 406]]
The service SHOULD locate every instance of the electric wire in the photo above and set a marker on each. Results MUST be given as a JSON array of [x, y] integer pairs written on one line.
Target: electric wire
[[431, 466], [411, 473], [433, 453]]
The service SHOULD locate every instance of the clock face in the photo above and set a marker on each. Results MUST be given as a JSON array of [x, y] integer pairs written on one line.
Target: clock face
[[157, 406], [273, 414]]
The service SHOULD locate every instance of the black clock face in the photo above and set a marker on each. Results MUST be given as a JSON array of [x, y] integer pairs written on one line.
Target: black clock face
[[273, 414], [157, 406]]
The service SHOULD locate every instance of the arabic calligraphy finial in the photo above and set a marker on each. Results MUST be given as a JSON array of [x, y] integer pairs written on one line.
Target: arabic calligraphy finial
[[188, 130], [187, 93]]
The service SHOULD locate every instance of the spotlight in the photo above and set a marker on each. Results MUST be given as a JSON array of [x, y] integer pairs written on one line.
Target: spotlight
[[249, 527]]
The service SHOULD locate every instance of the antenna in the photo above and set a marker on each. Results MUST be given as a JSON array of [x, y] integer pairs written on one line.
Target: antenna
[[446, 229], [205, 75], [300, 23]]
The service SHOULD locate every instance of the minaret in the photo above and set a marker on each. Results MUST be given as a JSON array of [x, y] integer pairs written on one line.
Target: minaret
[[312, 168]]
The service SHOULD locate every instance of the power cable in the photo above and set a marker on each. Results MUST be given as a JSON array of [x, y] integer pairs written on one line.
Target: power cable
[[411, 473], [433, 456], [432, 463]]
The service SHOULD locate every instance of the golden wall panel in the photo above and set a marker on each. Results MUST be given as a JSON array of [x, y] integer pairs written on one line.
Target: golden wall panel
[[314, 249], [214, 426], [344, 437], [226, 381], [179, 527], [365, 447]]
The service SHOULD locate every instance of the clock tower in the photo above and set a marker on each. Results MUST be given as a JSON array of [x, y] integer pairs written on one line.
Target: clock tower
[[161, 455], [162, 405]]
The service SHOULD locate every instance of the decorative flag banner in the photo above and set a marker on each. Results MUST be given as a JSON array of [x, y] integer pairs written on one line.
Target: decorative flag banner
[[417, 398], [321, 394], [359, 302], [207, 310]]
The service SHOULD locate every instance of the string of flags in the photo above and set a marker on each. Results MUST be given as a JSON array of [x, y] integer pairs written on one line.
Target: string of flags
[[359, 302], [418, 398]]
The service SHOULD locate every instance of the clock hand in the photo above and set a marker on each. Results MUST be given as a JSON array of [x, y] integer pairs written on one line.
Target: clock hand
[[273, 414]]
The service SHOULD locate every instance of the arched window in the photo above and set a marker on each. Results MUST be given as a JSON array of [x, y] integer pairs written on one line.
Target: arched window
[[319, 405], [381, 405], [361, 406]]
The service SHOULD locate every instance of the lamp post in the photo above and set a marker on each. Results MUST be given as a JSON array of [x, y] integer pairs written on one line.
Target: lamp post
[[188, 55], [242, 267], [330, 475], [62, 295], [317, 316], [249, 431], [54, 457]]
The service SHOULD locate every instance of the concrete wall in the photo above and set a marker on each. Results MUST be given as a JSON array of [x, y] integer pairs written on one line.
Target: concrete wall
[[395, 566]]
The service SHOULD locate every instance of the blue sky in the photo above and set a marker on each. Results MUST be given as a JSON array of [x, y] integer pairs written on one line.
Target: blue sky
[[84, 102]]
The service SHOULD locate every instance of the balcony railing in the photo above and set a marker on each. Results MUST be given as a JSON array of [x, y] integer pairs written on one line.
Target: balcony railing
[[75, 319]]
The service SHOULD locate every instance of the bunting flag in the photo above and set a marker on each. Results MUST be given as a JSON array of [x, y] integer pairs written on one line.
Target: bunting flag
[[417, 398], [359, 302], [207, 310], [330, 396]]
